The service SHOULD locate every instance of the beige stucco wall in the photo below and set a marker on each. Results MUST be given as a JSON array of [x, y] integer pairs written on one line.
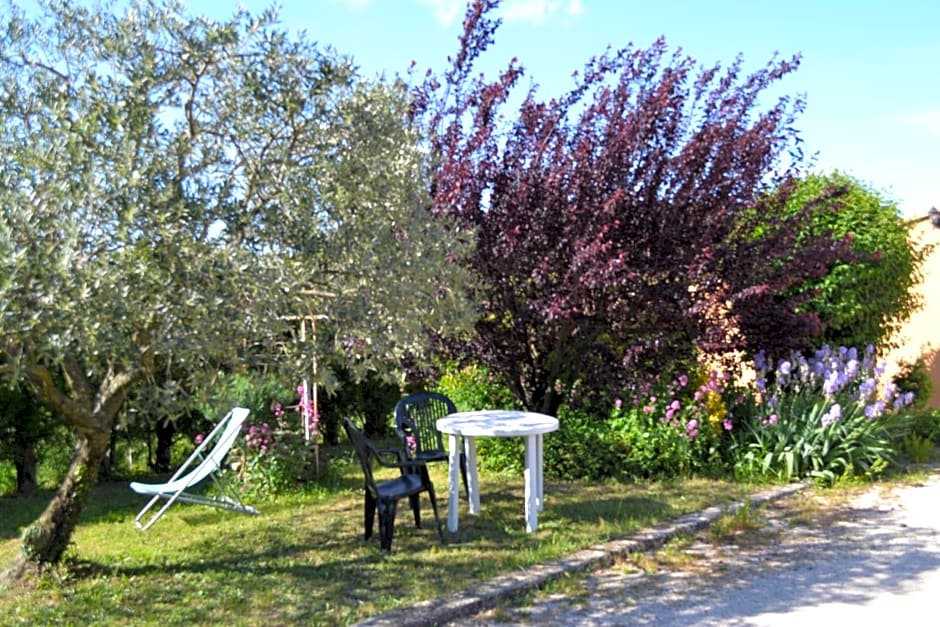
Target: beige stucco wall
[[920, 336]]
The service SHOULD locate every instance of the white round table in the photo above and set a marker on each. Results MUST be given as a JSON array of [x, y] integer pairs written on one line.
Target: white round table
[[499, 423]]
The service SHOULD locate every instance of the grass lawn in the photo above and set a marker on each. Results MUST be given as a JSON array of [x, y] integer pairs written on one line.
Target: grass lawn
[[303, 560]]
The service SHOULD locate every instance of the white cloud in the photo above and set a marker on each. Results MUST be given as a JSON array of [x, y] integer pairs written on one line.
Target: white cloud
[[445, 11], [539, 11]]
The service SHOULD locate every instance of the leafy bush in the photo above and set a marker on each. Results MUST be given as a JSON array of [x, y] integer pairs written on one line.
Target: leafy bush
[[55, 454], [253, 391], [864, 300], [273, 456], [583, 448], [925, 423], [7, 478], [475, 387], [825, 417], [676, 427], [914, 377]]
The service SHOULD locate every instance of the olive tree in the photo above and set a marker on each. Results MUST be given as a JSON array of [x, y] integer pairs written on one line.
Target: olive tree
[[175, 192]]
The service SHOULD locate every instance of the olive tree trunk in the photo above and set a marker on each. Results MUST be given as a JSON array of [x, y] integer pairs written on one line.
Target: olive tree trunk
[[44, 542], [92, 412]]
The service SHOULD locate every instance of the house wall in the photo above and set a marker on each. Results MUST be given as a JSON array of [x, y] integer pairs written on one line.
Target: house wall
[[920, 336]]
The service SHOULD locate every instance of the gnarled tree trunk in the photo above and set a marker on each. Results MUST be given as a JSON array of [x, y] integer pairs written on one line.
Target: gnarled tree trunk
[[44, 542], [92, 413]]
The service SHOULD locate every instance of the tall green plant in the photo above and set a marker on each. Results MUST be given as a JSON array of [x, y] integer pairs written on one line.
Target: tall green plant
[[864, 300], [824, 417], [676, 426]]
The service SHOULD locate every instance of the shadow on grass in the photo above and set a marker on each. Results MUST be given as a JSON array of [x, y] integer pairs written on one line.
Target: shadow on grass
[[114, 502], [107, 502], [301, 570]]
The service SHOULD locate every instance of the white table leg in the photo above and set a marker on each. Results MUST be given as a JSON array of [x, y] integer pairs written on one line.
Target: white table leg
[[531, 485], [539, 473], [453, 483], [473, 479]]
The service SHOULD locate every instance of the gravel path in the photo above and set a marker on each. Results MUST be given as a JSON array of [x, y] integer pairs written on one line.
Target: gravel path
[[872, 560]]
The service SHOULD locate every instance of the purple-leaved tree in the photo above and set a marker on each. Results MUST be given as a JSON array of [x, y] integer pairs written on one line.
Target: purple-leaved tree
[[628, 223]]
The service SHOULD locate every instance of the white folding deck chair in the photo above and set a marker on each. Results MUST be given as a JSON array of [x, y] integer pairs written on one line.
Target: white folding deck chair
[[206, 465]]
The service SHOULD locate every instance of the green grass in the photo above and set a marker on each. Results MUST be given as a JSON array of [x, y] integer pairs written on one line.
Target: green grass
[[303, 560]]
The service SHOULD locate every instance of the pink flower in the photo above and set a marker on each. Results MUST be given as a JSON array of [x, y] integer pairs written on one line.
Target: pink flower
[[618, 403], [727, 424], [199, 438]]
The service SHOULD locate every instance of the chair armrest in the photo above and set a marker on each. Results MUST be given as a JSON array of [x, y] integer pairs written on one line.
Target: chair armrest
[[401, 462], [383, 454]]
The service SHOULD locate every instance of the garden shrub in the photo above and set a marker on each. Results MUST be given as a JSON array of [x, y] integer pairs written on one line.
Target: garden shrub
[[583, 448], [55, 453], [863, 300], [473, 387], [915, 377], [370, 400], [676, 427], [273, 455], [7, 478], [825, 417]]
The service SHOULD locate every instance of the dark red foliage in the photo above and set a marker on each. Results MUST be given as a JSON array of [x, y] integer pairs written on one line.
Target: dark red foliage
[[626, 224]]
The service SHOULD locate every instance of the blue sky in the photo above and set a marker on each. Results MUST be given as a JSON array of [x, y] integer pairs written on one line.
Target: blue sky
[[870, 70]]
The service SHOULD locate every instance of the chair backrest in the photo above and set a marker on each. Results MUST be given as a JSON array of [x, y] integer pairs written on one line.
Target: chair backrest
[[365, 452], [419, 413]]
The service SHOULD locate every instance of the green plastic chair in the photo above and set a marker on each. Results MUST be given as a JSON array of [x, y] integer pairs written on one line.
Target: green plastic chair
[[383, 496], [416, 418]]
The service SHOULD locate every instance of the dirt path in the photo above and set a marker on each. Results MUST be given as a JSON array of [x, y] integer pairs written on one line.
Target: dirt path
[[872, 559]]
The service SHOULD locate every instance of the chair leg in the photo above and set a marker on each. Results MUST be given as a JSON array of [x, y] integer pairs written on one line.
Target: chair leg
[[463, 472], [416, 509], [437, 519], [370, 514], [386, 523]]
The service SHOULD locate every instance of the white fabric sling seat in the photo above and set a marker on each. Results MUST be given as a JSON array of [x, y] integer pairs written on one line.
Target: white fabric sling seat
[[196, 469]]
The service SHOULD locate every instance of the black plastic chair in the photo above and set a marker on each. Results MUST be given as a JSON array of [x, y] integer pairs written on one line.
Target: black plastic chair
[[384, 495], [416, 424]]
